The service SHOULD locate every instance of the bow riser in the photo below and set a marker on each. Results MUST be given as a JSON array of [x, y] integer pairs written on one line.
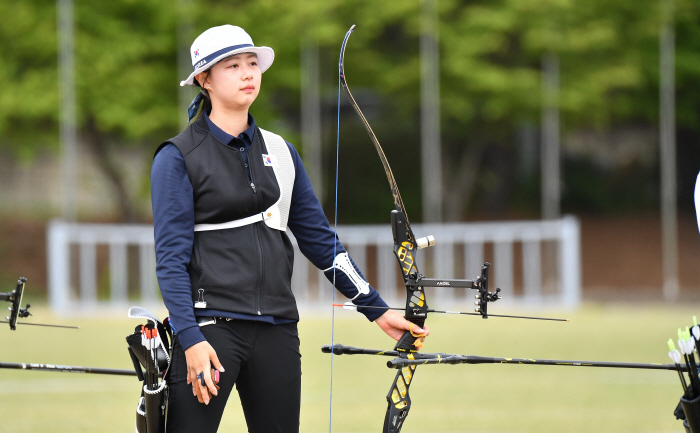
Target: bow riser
[[405, 251], [398, 399]]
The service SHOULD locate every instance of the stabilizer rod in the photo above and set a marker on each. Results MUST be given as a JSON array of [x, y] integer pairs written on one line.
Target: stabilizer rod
[[67, 368], [473, 359], [339, 349]]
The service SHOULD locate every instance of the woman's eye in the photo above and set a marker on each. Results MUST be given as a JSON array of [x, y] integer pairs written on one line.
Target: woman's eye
[[254, 63], [235, 65]]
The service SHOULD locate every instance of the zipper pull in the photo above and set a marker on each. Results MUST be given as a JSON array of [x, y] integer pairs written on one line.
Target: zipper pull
[[252, 185]]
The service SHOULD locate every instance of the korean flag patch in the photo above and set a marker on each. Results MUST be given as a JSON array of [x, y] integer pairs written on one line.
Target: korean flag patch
[[267, 160]]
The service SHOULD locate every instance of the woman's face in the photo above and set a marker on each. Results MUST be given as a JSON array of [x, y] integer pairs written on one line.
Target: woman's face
[[234, 82]]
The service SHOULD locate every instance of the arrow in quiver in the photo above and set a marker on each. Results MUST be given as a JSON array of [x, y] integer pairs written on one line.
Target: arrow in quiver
[[150, 349]]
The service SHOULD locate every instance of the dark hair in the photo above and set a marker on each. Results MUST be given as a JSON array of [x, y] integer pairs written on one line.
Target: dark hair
[[205, 105]]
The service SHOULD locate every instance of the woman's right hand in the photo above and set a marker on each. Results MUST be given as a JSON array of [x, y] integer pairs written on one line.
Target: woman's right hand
[[200, 359]]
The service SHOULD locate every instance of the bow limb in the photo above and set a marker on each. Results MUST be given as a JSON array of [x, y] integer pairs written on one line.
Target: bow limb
[[404, 241], [398, 202], [405, 248]]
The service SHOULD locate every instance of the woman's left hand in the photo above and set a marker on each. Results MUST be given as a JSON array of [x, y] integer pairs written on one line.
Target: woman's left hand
[[394, 324]]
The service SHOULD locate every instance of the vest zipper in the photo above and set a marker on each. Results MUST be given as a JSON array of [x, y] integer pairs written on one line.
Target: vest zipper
[[261, 268], [258, 244]]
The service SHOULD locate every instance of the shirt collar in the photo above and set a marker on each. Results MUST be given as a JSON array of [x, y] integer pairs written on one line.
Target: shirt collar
[[225, 137]]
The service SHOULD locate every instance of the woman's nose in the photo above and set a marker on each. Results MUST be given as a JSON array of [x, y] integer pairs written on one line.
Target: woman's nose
[[247, 72]]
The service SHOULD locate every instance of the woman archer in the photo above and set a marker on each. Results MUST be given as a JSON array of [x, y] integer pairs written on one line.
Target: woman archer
[[224, 191]]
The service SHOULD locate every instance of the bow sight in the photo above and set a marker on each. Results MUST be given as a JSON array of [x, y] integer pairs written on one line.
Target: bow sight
[[15, 299], [16, 311]]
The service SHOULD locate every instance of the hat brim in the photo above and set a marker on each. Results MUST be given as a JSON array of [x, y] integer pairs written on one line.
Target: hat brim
[[266, 56]]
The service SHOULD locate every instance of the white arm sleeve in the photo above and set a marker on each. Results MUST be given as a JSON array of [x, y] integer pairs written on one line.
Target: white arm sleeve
[[342, 262]]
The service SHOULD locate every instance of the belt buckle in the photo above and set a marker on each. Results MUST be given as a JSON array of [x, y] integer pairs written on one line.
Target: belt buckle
[[211, 321]]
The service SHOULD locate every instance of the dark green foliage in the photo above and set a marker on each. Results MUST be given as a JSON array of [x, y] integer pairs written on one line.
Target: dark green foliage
[[491, 53]]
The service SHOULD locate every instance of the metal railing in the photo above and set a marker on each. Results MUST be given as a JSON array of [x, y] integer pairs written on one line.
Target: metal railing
[[534, 262]]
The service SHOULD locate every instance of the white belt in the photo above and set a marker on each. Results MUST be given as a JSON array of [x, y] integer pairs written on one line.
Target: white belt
[[268, 216]]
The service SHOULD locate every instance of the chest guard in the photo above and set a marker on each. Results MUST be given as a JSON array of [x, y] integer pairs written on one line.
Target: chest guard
[[277, 215]]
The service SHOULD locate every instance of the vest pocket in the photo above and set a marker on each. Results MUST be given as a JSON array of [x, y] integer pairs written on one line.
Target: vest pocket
[[228, 259], [279, 262]]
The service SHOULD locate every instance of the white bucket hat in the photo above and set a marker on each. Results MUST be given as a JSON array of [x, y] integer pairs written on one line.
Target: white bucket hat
[[224, 41]]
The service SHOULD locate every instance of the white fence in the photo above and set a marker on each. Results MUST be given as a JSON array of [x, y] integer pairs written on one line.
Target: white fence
[[533, 262]]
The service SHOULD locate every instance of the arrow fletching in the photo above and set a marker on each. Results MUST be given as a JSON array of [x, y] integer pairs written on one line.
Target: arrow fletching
[[674, 354], [689, 342]]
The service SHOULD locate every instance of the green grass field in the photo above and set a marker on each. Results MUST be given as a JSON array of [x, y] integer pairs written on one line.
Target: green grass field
[[462, 398]]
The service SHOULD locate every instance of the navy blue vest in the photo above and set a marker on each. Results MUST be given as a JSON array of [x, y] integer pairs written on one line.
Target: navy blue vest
[[244, 269]]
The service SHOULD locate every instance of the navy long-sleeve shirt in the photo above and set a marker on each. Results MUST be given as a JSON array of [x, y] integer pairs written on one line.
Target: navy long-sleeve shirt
[[173, 217]]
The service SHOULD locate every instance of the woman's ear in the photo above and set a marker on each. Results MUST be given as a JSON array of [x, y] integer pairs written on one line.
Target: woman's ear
[[202, 79]]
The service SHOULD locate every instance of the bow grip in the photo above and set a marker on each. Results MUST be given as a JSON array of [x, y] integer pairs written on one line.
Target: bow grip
[[407, 341]]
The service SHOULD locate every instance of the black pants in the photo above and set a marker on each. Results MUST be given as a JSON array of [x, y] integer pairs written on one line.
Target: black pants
[[264, 363]]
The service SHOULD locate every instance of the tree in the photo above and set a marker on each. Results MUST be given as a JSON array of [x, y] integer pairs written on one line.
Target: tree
[[491, 52]]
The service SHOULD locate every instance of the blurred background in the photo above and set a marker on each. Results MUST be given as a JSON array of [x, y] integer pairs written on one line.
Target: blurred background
[[506, 110], [557, 139]]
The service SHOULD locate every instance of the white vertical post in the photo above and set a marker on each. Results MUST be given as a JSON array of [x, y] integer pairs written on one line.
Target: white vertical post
[[570, 262], [431, 159], [147, 272], [532, 268], [311, 114], [58, 261], [118, 271], [503, 266], [67, 111], [667, 89], [549, 154], [88, 272]]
